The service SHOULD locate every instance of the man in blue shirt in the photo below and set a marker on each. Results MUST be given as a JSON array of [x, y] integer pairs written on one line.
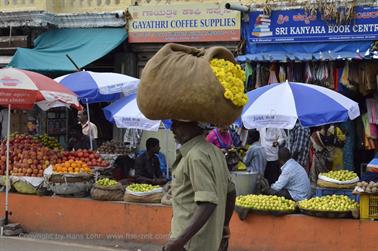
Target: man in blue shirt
[[147, 165], [255, 159], [293, 182]]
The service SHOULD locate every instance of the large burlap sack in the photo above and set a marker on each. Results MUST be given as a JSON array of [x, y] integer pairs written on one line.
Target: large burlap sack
[[70, 184], [28, 185], [111, 193], [24, 187], [178, 83]]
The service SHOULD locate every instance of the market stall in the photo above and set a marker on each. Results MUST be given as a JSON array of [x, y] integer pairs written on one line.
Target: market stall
[[44, 168], [314, 45]]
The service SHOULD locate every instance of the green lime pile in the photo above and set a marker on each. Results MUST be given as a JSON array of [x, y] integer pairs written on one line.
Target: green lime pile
[[106, 182], [341, 175], [49, 142], [141, 187], [265, 202], [329, 203]]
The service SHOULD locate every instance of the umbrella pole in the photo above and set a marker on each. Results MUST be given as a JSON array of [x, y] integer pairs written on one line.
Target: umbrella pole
[[89, 127], [7, 182], [166, 145]]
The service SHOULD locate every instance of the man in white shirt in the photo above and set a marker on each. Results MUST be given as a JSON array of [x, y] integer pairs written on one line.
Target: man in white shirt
[[132, 137], [271, 139], [88, 128]]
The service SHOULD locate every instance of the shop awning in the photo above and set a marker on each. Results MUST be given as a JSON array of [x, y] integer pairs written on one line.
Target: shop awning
[[82, 45], [306, 51]]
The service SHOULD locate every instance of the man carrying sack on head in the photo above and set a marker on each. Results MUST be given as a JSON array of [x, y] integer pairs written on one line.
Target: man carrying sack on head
[[193, 88]]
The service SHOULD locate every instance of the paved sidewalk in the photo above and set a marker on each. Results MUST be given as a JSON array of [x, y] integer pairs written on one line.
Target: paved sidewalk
[[44, 244]]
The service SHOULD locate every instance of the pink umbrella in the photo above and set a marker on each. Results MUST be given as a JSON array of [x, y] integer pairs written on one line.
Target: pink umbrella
[[20, 89]]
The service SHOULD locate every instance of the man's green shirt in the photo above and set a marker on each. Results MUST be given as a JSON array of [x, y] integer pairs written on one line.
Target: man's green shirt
[[200, 174]]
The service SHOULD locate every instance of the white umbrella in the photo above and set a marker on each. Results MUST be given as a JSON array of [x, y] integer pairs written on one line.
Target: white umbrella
[[125, 113], [95, 87], [281, 105]]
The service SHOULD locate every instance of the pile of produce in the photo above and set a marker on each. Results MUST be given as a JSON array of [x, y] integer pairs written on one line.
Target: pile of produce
[[106, 182], [265, 202], [141, 187], [341, 175], [107, 189], [329, 203], [28, 157], [143, 193], [71, 167], [232, 78], [49, 142], [112, 147], [364, 187], [88, 157]]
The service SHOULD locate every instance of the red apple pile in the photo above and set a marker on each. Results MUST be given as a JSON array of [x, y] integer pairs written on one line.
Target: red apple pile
[[91, 158], [27, 156]]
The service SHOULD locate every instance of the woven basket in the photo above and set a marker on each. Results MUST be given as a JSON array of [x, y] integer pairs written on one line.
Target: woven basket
[[243, 212], [110, 193], [327, 184], [70, 178], [152, 198], [323, 214]]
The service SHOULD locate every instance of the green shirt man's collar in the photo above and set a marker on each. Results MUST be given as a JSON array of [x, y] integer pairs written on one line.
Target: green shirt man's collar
[[185, 148]]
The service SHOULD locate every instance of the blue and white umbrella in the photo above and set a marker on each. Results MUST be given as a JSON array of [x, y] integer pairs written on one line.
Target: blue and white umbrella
[[125, 113], [281, 105], [94, 87]]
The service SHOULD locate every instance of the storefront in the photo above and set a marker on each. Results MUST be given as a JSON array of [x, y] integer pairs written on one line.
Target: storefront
[[298, 45], [343, 66], [61, 51], [198, 25]]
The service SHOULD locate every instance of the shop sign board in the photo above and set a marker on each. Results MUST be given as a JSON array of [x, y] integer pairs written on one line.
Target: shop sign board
[[293, 26], [183, 23]]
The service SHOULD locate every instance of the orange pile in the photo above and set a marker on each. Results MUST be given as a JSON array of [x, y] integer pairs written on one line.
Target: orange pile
[[72, 166]]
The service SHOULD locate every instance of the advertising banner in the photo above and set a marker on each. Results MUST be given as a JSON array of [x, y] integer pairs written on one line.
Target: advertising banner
[[293, 26]]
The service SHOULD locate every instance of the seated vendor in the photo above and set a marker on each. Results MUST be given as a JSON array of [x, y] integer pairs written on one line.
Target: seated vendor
[[255, 159], [77, 140], [147, 165], [293, 183]]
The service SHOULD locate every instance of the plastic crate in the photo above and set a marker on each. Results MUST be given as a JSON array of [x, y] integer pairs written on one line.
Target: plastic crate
[[369, 207], [321, 191]]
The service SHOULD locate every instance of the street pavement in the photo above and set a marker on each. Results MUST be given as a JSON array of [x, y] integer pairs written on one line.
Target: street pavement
[[27, 244]]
